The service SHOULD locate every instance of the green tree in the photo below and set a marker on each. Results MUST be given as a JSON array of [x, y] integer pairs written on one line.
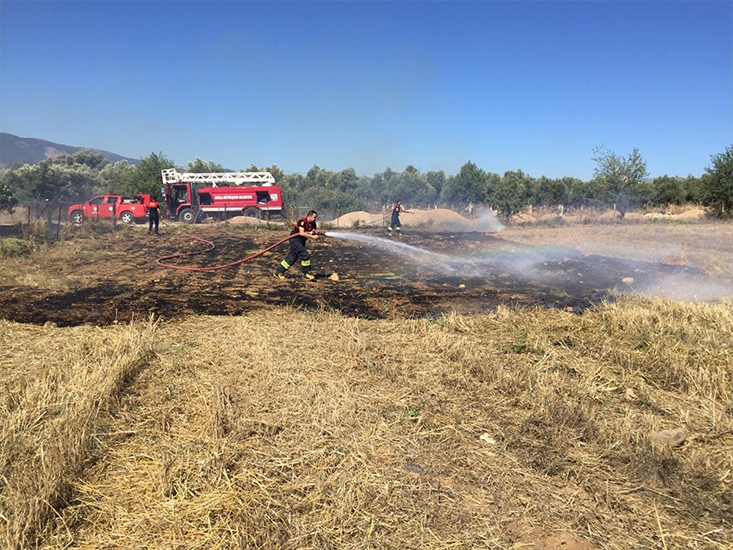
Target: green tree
[[42, 185], [717, 183], [148, 177], [346, 180], [668, 190], [8, 202], [585, 193], [17, 184], [436, 180], [513, 192], [549, 192], [621, 178], [85, 157], [317, 177], [276, 172], [115, 178], [468, 186], [74, 182], [693, 189], [95, 161], [199, 166], [412, 188]]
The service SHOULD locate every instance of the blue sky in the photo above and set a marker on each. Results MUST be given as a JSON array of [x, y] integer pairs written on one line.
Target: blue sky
[[523, 85]]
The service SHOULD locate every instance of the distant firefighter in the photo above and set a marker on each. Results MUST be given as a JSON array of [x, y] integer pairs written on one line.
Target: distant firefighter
[[395, 227], [153, 215]]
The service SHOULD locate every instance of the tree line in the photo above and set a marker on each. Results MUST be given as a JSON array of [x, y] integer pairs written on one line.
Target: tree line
[[618, 181]]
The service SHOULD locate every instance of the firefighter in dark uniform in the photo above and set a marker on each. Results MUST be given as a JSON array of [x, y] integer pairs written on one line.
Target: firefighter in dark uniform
[[153, 215], [305, 228], [394, 224]]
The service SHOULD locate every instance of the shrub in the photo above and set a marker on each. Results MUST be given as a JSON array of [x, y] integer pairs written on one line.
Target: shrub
[[16, 248]]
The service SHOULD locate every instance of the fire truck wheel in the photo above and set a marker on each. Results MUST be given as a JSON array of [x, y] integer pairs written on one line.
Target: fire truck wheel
[[186, 215], [77, 216], [127, 217], [252, 212]]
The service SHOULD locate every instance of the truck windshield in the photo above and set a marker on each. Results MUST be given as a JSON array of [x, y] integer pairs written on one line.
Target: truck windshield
[[179, 195]]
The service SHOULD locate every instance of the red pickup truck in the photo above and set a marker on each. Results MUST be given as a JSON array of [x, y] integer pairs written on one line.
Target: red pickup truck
[[127, 209]]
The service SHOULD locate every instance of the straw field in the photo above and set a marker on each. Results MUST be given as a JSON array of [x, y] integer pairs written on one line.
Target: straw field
[[289, 429]]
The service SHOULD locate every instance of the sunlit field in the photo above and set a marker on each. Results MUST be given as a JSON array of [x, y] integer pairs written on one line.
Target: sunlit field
[[293, 427]]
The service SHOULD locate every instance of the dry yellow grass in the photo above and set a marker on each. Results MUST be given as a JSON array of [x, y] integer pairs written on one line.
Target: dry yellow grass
[[55, 393], [291, 429]]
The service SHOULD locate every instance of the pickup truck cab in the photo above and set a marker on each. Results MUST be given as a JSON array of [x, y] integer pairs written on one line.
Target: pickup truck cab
[[127, 209]]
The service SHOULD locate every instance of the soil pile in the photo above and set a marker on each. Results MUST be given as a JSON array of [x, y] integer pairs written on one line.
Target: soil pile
[[441, 219]]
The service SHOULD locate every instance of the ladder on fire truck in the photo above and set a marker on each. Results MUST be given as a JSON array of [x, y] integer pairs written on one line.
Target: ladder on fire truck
[[172, 176]]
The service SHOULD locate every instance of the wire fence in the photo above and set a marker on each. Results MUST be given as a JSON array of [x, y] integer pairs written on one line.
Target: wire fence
[[46, 217]]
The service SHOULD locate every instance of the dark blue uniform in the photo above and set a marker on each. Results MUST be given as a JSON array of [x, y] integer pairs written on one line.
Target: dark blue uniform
[[394, 224], [297, 250], [153, 216]]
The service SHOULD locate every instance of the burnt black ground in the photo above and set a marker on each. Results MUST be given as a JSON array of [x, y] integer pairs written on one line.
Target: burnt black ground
[[476, 273]]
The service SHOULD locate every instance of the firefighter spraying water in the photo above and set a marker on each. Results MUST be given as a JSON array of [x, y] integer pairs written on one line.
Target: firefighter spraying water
[[395, 227], [305, 228]]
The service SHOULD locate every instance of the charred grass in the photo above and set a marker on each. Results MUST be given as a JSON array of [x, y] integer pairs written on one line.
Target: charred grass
[[285, 428]]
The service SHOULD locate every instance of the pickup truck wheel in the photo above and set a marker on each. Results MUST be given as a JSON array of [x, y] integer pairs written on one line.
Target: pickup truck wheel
[[252, 212], [77, 216], [127, 217], [186, 215]]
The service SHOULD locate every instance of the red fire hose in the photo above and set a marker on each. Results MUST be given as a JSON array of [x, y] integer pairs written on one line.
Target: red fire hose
[[161, 261]]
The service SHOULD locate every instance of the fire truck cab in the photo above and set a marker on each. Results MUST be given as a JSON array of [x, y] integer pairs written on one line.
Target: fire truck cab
[[191, 197]]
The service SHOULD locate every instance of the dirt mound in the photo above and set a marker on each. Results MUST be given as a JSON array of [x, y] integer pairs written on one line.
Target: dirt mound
[[610, 215], [693, 214], [442, 219], [438, 216], [359, 217], [247, 220], [522, 219]]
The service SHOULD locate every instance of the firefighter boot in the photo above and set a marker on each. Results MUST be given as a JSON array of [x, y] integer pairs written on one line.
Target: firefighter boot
[[281, 269]]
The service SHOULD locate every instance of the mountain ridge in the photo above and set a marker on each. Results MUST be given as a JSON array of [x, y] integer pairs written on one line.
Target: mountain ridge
[[16, 151]]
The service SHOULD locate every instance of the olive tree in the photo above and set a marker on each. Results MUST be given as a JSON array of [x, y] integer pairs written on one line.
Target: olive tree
[[199, 166], [148, 177], [7, 200], [717, 183], [620, 178], [117, 177], [468, 186]]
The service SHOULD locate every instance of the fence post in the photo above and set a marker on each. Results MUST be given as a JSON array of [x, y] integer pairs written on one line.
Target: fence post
[[58, 224]]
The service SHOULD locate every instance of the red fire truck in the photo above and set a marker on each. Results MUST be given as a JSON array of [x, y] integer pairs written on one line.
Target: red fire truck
[[191, 197], [127, 209]]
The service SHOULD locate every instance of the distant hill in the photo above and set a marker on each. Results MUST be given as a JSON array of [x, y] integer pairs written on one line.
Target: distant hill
[[15, 151]]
